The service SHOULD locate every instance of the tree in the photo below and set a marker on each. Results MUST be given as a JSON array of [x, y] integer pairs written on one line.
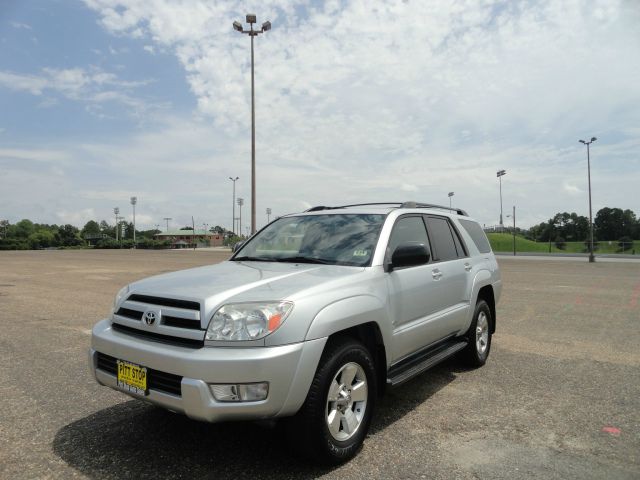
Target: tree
[[91, 229], [24, 228], [68, 236], [106, 229]]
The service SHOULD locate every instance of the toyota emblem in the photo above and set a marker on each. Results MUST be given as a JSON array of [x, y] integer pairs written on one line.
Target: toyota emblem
[[149, 317]]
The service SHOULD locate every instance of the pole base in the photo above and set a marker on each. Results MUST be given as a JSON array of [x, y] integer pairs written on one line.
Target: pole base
[[592, 259]]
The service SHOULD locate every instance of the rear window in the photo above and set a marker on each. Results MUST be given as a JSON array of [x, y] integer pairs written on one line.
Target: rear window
[[477, 235]]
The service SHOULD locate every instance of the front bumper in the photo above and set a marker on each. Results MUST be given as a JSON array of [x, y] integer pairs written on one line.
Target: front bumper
[[289, 369]]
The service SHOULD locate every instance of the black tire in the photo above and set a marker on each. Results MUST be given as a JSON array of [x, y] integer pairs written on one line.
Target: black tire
[[308, 431], [476, 353]]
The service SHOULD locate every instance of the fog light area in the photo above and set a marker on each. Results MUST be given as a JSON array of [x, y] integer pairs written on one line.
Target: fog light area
[[240, 392]]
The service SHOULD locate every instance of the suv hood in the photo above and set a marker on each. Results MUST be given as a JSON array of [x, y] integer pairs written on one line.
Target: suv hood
[[240, 282]]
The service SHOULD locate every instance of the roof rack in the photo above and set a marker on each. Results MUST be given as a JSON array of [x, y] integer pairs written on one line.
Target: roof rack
[[395, 204]]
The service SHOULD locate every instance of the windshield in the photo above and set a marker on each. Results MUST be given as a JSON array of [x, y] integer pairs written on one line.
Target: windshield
[[325, 239]]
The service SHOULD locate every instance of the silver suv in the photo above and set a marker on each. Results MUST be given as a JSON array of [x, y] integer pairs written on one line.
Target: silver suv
[[308, 321]]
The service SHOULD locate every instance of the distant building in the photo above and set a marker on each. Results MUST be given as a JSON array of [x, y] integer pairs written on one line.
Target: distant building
[[190, 238]]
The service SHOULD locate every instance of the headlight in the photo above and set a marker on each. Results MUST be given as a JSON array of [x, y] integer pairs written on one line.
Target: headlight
[[119, 296], [247, 321]]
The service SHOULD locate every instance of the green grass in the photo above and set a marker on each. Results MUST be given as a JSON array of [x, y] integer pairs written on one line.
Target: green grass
[[503, 242]]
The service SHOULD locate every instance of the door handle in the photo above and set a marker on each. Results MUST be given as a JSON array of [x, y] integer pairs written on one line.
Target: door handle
[[436, 274], [467, 267]]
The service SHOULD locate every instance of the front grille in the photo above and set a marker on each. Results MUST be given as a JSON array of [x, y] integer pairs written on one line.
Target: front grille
[[156, 380], [181, 322], [128, 313], [165, 302], [158, 337]]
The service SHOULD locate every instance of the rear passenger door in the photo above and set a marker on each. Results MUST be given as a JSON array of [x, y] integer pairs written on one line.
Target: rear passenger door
[[451, 271]]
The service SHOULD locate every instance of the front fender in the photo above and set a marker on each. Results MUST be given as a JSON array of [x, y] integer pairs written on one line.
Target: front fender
[[482, 279], [350, 312]]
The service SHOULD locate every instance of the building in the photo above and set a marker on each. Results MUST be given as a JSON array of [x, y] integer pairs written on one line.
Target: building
[[190, 238]]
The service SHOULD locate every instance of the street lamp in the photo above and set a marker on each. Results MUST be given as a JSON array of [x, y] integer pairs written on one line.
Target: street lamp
[[233, 218], [500, 174], [266, 26], [514, 229], [240, 203], [166, 219], [116, 211], [134, 200], [268, 214], [591, 257], [451, 194]]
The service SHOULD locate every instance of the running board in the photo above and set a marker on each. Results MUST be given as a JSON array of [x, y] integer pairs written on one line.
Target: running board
[[422, 361]]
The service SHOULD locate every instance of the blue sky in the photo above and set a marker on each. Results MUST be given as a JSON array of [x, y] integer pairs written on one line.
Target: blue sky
[[356, 101]]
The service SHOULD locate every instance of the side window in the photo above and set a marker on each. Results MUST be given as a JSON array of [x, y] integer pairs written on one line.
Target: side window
[[462, 252], [477, 235], [408, 229], [443, 243]]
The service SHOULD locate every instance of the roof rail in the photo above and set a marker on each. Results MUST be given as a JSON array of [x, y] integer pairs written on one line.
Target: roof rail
[[459, 211], [394, 204]]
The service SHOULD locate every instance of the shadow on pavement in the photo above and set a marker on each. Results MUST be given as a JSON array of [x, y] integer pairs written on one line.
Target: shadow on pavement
[[136, 440]]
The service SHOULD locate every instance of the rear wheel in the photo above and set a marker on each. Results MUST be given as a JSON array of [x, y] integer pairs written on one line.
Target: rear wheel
[[334, 419], [479, 336]]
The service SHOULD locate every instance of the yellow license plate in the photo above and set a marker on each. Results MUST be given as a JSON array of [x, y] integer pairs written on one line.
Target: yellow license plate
[[132, 377]]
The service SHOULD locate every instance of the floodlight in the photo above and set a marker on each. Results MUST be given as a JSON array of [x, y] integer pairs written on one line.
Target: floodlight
[[237, 26], [251, 18], [266, 26]]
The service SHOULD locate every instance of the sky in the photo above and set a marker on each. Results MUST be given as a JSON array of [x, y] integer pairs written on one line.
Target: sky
[[356, 101]]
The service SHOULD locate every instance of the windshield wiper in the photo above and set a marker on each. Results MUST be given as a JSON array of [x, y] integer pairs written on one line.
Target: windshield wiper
[[300, 259], [247, 258]]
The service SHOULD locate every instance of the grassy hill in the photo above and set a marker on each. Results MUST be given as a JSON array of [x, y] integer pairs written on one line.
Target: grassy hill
[[503, 242]]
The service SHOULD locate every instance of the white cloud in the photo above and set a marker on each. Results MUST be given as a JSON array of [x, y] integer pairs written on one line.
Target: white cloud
[[381, 109], [19, 25], [91, 85]]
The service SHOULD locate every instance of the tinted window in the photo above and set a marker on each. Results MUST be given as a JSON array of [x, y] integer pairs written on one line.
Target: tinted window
[[477, 235], [459, 245], [443, 244], [408, 229]]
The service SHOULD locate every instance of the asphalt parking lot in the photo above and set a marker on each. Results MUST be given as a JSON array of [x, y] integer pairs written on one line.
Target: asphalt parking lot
[[559, 397]]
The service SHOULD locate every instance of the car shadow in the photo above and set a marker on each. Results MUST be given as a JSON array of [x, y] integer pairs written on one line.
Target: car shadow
[[137, 440]]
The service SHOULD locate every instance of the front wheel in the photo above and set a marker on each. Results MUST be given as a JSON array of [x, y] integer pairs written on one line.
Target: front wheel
[[479, 336], [334, 419]]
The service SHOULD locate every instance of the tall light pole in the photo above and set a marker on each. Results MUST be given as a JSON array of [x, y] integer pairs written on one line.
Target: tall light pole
[[240, 203], [500, 174], [451, 194], [268, 215], [266, 26], [514, 229], [134, 200], [591, 257], [166, 219], [233, 218], [116, 211]]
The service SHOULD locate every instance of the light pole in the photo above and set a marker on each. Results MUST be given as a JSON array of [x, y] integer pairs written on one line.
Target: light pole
[[134, 200], [451, 194], [233, 218], [240, 203], [116, 211], [500, 174], [591, 257], [266, 26], [514, 229], [166, 219], [268, 215]]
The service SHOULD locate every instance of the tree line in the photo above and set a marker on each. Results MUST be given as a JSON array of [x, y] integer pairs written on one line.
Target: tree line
[[27, 235], [609, 224]]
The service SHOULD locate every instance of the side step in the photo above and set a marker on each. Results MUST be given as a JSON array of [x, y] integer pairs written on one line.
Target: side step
[[422, 361]]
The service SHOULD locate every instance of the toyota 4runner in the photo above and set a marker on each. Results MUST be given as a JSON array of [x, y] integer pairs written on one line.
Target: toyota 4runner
[[310, 320]]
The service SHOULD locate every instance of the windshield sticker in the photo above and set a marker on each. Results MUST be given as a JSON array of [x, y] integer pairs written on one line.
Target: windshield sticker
[[360, 253]]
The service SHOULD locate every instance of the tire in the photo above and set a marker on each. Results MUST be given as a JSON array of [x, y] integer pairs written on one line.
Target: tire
[[479, 336], [331, 425]]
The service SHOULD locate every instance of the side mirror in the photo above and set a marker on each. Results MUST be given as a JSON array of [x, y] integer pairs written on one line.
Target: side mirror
[[409, 254], [236, 246]]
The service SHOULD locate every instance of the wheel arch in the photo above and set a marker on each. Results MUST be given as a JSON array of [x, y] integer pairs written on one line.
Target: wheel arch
[[486, 293]]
